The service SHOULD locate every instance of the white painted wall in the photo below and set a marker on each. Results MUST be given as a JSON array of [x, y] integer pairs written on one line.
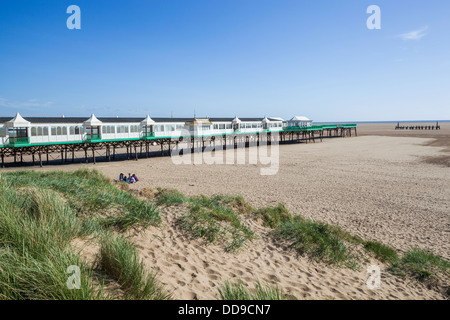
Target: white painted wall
[[131, 135]]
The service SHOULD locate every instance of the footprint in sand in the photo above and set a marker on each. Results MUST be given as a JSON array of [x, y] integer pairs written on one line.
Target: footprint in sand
[[165, 263], [177, 257], [180, 266]]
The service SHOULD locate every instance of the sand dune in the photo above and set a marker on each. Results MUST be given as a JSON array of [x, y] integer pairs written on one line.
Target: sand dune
[[377, 187], [192, 270]]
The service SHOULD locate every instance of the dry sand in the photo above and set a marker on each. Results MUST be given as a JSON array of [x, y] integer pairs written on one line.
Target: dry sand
[[376, 185]]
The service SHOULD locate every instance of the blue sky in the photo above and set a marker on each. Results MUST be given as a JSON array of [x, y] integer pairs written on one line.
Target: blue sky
[[225, 58]]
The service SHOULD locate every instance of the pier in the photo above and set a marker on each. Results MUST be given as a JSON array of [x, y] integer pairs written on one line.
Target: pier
[[131, 139]]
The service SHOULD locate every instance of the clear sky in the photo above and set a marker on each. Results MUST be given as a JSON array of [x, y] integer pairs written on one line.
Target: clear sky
[[226, 57]]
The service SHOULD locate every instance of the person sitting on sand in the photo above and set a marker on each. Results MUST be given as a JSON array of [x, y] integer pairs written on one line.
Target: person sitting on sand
[[135, 178], [132, 180], [121, 177], [125, 179]]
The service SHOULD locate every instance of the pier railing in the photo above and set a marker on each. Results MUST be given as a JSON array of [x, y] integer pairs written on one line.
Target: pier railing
[[18, 141], [93, 137], [147, 135]]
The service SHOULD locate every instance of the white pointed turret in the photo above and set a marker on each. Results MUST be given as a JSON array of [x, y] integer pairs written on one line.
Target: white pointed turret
[[236, 120], [18, 122], [265, 120], [92, 121], [147, 121]]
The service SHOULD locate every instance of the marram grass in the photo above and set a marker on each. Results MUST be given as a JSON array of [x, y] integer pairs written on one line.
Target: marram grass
[[41, 213], [237, 291], [119, 258]]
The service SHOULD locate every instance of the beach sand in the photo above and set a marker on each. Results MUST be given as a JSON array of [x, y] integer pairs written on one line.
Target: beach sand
[[380, 185]]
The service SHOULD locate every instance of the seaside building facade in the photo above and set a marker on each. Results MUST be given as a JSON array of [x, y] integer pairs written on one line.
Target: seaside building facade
[[48, 130], [45, 135]]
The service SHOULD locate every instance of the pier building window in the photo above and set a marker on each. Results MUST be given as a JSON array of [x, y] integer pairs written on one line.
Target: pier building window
[[74, 130], [108, 129], [122, 129], [56, 131], [2, 132], [33, 131]]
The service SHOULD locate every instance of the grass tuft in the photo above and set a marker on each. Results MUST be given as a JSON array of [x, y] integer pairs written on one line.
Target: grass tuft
[[91, 195], [119, 258], [36, 227], [169, 197], [238, 291], [381, 251], [421, 265], [214, 220], [272, 216], [317, 240]]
